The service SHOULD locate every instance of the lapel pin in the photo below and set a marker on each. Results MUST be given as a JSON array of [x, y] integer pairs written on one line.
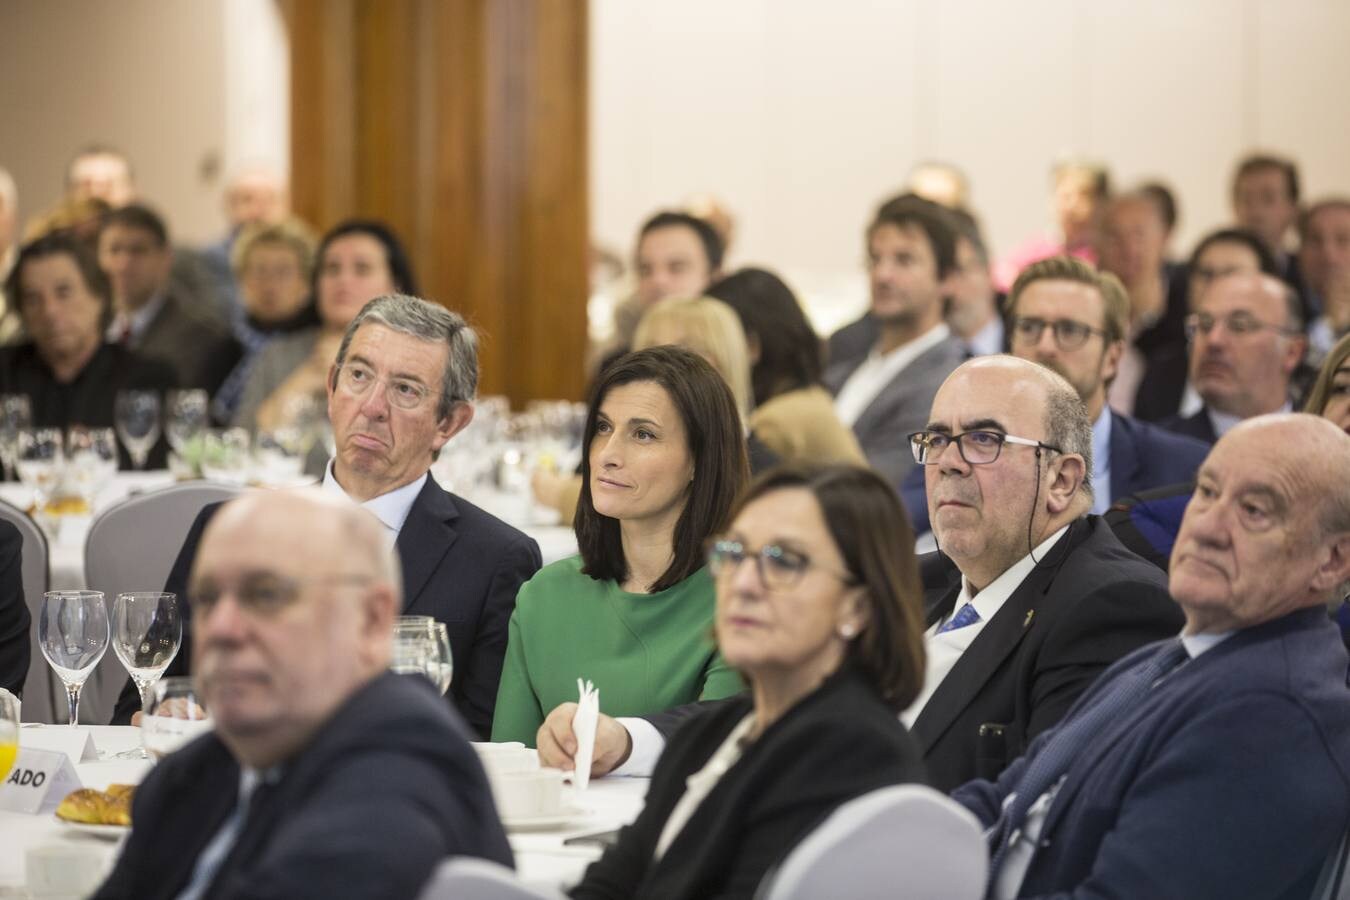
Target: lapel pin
[[1027, 620]]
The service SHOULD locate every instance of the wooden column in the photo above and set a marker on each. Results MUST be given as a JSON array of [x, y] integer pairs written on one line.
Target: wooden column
[[462, 123]]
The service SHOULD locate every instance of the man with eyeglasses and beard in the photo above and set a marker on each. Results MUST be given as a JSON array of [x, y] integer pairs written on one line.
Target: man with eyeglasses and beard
[[1246, 342], [1030, 599]]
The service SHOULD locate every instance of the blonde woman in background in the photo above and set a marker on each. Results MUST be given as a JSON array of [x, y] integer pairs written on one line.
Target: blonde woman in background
[[707, 327]]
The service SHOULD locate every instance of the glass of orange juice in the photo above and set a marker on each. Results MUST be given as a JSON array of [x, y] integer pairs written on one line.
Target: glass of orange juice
[[9, 732]]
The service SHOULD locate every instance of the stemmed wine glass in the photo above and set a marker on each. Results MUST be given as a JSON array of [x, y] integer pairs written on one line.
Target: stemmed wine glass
[[9, 731], [137, 416], [415, 648], [146, 633], [91, 455], [73, 635], [40, 459], [186, 418], [16, 413]]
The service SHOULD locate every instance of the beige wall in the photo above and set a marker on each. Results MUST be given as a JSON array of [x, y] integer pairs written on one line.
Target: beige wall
[[802, 114], [174, 84]]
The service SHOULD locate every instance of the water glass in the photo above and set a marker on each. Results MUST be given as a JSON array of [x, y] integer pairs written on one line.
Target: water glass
[[186, 418], [137, 417], [91, 460], [40, 460], [415, 649], [172, 717], [225, 456], [147, 630], [73, 633], [16, 414]]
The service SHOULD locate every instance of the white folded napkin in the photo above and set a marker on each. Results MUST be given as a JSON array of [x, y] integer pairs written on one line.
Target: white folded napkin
[[583, 727]]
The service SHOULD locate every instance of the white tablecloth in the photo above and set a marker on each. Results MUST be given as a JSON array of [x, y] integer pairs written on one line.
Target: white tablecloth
[[541, 857], [66, 549]]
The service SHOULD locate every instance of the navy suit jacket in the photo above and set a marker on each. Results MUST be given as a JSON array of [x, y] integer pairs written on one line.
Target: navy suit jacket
[[384, 791], [461, 566], [1232, 779], [1143, 457]]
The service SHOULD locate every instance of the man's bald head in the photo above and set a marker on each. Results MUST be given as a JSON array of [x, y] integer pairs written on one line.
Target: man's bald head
[[1267, 531], [988, 515], [294, 594]]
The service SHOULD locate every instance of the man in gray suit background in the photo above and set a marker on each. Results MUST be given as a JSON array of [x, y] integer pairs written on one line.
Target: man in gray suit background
[[885, 394]]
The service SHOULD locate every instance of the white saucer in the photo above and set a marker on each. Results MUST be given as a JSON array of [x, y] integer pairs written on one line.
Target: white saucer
[[568, 815], [103, 832]]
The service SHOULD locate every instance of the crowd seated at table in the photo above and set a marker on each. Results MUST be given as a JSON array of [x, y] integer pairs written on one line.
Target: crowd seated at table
[[1124, 702]]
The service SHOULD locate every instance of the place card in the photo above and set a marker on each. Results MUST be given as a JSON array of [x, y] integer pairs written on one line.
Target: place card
[[39, 781], [77, 743]]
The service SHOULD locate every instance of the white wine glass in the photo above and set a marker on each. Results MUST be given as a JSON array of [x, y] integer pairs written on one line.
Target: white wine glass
[[73, 634], [91, 461], [415, 650], [173, 716], [40, 460], [186, 418], [137, 417], [16, 414], [147, 630]]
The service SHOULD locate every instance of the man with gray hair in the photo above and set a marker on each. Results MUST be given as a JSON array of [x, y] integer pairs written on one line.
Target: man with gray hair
[[1041, 598], [402, 386], [325, 775], [1216, 764]]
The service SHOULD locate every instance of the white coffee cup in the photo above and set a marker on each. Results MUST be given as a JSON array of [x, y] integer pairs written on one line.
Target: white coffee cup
[[506, 763], [528, 795]]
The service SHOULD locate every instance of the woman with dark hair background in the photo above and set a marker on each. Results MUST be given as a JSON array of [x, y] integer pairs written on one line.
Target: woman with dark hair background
[[357, 261], [664, 460], [819, 607], [794, 415]]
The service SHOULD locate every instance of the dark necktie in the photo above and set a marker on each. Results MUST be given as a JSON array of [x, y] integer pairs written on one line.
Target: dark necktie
[[1069, 740]]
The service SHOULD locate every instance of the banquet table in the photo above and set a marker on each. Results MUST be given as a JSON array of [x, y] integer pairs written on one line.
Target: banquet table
[[66, 534], [541, 856]]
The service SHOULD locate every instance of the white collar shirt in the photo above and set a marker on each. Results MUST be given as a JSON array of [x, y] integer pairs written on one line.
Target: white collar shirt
[[879, 370], [136, 323], [1101, 462], [1223, 422], [988, 340], [942, 651], [391, 509]]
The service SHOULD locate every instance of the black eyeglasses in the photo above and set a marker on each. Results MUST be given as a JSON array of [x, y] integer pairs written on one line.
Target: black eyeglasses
[[262, 594], [977, 448], [779, 568], [1238, 324], [1069, 335]]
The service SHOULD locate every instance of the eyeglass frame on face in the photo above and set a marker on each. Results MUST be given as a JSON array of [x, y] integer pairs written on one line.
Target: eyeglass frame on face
[[264, 594], [421, 391], [722, 560], [1248, 324], [920, 443], [1057, 328]]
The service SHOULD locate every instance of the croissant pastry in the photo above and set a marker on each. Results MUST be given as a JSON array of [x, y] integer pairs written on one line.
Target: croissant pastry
[[91, 807]]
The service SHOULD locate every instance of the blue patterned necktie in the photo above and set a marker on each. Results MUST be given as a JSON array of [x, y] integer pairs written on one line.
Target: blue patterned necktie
[[966, 615], [1068, 742]]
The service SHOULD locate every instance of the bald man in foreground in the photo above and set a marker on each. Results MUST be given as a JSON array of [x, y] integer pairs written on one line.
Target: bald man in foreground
[[1216, 765], [326, 775]]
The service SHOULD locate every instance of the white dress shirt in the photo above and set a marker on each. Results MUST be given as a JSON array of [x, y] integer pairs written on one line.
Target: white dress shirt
[[943, 650], [1223, 422], [1018, 859], [1101, 462], [391, 509], [988, 340], [879, 370], [136, 323]]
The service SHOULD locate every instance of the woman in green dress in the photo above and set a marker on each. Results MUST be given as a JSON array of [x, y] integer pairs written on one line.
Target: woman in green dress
[[632, 613]]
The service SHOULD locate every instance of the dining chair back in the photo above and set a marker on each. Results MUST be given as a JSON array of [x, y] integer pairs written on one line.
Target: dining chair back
[[470, 878], [44, 699]]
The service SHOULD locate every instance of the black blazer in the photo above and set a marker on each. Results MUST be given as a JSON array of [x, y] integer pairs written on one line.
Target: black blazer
[[387, 788], [1087, 604], [461, 566], [836, 744], [15, 647]]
